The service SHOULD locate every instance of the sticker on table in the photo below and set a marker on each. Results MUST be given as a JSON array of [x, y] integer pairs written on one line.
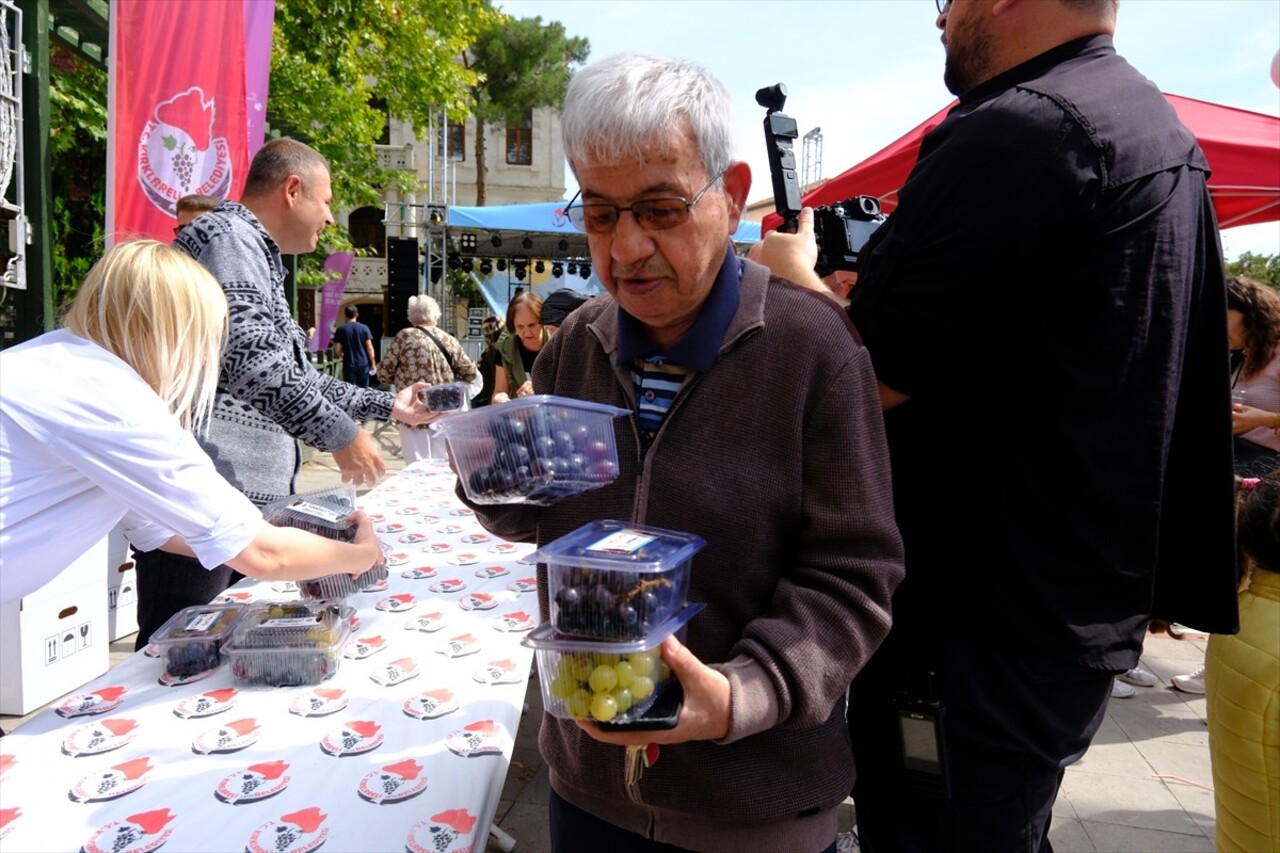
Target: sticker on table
[[229, 738], [377, 517], [363, 647], [87, 704], [399, 558], [138, 833], [483, 737], [502, 548], [397, 603], [253, 783], [99, 737], [448, 585], [8, 820], [431, 704], [395, 672], [427, 623], [393, 527], [465, 559], [168, 680], [206, 704], [476, 538], [492, 572], [113, 783], [296, 832], [380, 585], [449, 529], [413, 538], [408, 510], [523, 585], [234, 597], [446, 832], [459, 646], [477, 601], [7, 763], [430, 519], [462, 512], [394, 783], [515, 621], [498, 672], [318, 702], [438, 548], [151, 650], [418, 574], [353, 738]]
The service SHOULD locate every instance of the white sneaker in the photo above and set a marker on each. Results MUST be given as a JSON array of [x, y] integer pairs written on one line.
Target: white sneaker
[[1190, 683], [1139, 677], [1120, 690]]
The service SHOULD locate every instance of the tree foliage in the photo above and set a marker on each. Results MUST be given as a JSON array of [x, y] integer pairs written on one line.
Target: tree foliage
[[1261, 267], [521, 64]]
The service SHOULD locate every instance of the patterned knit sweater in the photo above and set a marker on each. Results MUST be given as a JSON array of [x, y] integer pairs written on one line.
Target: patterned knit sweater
[[269, 394]]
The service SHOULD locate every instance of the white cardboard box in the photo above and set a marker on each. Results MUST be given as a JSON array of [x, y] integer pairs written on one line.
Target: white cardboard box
[[122, 587], [55, 639]]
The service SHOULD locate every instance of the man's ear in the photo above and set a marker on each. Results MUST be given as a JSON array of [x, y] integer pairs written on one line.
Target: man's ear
[[292, 190], [737, 183]]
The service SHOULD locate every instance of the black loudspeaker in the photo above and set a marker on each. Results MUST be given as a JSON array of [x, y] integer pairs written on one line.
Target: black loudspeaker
[[403, 278]]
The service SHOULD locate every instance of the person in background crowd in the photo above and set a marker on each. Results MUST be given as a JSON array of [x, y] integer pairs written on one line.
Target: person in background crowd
[[353, 343], [269, 395], [491, 328], [426, 354], [525, 337], [191, 206], [558, 305], [1253, 332], [1242, 674], [1110, 498], [754, 422], [111, 440]]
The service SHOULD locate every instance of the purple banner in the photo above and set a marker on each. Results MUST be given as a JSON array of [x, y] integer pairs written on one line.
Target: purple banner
[[258, 18], [331, 296]]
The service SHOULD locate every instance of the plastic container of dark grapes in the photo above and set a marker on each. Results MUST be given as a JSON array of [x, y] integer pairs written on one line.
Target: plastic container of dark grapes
[[449, 397], [191, 640], [325, 512], [289, 643], [533, 450], [604, 682], [341, 585], [614, 580]]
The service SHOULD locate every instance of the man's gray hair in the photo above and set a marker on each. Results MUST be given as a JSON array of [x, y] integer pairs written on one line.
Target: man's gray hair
[[423, 311], [280, 158], [626, 104]]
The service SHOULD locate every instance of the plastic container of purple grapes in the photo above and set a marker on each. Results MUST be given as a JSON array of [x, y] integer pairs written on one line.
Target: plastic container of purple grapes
[[341, 586], [190, 641], [607, 682], [288, 643], [325, 512], [534, 450], [449, 397], [614, 580]]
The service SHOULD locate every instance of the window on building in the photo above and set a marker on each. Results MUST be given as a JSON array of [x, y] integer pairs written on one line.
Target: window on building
[[520, 141], [367, 230], [457, 141], [380, 105]]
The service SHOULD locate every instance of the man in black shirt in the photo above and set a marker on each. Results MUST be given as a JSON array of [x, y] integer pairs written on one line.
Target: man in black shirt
[[1045, 311]]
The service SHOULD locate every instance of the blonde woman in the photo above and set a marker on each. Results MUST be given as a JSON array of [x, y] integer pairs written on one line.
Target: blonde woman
[[95, 427]]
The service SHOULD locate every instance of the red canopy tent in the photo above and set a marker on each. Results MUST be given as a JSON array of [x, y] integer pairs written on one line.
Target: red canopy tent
[[1242, 147]]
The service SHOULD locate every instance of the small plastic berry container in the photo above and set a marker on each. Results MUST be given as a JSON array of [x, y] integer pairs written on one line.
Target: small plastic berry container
[[325, 512], [190, 642], [533, 450], [614, 580], [341, 585], [604, 682], [289, 643], [449, 397]]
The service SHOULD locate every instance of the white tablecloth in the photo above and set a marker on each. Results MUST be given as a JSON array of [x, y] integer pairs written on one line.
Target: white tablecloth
[[376, 758]]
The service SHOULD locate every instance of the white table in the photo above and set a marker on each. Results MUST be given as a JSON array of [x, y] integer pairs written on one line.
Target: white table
[[429, 780]]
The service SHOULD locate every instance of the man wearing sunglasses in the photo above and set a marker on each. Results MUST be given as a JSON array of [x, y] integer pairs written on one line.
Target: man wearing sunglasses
[[1046, 313], [755, 424]]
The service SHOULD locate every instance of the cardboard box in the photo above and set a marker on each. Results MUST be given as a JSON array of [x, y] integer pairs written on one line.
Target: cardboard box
[[55, 639], [122, 587]]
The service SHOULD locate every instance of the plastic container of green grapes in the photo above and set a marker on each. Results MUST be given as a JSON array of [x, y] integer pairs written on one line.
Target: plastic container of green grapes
[[605, 682], [288, 643]]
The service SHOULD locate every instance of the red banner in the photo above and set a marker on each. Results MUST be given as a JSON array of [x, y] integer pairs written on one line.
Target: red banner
[[176, 116]]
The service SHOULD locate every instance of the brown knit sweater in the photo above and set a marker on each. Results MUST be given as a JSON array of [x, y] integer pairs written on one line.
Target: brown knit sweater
[[776, 457]]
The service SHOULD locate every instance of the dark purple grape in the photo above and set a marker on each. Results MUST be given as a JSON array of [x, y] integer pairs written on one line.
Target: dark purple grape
[[581, 435], [564, 442]]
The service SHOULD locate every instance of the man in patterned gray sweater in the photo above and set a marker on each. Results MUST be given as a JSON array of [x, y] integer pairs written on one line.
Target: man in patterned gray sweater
[[269, 395]]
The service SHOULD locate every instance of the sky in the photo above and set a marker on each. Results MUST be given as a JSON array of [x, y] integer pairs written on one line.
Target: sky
[[867, 71]]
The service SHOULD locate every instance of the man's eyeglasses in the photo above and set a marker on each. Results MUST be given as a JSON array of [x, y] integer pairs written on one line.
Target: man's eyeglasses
[[652, 214], [943, 5]]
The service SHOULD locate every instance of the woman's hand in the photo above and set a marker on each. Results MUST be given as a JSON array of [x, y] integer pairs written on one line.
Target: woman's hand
[[525, 390], [367, 539], [1246, 418]]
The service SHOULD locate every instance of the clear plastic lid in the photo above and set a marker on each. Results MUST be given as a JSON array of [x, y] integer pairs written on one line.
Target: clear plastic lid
[[477, 418], [620, 545], [546, 638]]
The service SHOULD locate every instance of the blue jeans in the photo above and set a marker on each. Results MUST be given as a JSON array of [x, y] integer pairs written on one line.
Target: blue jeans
[[358, 376], [576, 831]]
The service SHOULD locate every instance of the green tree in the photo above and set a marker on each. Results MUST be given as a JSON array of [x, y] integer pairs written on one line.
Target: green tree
[[521, 64], [1262, 267]]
